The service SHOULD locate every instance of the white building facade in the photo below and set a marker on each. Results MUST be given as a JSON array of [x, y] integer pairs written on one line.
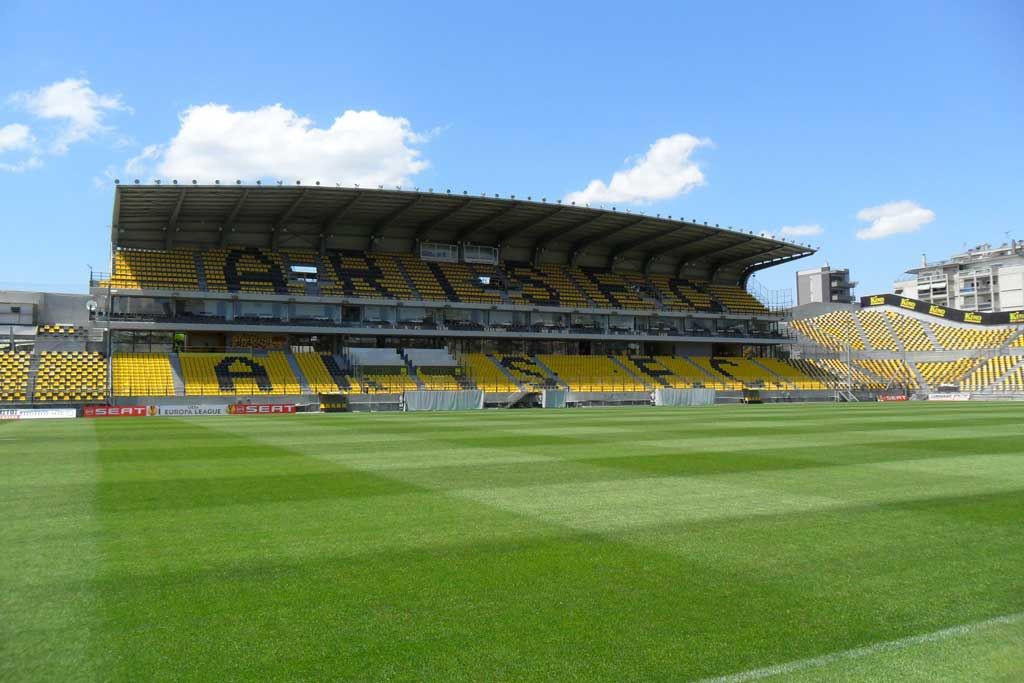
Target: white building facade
[[984, 279]]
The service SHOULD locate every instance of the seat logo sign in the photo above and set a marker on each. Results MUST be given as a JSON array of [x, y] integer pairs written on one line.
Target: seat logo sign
[[115, 411], [261, 408], [970, 317], [877, 300]]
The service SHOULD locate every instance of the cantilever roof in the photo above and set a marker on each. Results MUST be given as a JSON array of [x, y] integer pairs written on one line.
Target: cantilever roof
[[315, 217]]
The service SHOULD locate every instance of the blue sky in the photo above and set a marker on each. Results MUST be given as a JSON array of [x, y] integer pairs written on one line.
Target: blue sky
[[745, 114]]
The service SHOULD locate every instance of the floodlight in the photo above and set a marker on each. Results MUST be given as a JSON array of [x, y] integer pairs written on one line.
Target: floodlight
[[238, 182], [216, 182], [136, 181], [194, 182], [175, 181]]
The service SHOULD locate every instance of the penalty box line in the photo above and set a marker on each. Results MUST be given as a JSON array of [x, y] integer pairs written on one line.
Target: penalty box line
[[866, 651]]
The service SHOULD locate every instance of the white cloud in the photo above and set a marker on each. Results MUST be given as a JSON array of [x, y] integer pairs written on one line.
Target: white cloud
[[800, 230], [21, 166], [215, 142], [15, 136], [664, 172], [893, 218], [79, 108]]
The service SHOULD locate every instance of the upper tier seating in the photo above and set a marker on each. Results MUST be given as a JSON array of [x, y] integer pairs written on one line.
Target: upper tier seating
[[142, 374], [835, 330], [68, 376], [406, 276], [14, 367], [910, 332], [591, 373], [135, 269], [967, 338], [879, 336], [226, 374]]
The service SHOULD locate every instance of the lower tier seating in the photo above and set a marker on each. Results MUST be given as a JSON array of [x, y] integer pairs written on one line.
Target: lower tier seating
[[70, 376], [219, 374], [486, 374], [14, 375], [142, 374], [591, 373]]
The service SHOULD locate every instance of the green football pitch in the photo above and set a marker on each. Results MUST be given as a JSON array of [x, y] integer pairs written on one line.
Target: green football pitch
[[733, 543]]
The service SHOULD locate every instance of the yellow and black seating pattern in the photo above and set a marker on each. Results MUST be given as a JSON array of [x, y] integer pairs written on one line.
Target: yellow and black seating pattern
[[220, 374], [879, 336], [71, 376], [910, 331], [591, 373], [793, 375], [835, 330], [60, 331], [137, 269], [486, 374], [14, 366], [142, 374], [736, 298], [936, 373], [890, 369], [969, 338], [989, 372]]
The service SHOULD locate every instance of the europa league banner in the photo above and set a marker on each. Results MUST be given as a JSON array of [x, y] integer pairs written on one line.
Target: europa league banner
[[954, 314]]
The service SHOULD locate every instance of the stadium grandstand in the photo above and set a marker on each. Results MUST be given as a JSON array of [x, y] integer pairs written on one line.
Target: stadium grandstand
[[360, 297]]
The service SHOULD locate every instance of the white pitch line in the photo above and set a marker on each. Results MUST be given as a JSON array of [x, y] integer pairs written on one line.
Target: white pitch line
[[866, 651]]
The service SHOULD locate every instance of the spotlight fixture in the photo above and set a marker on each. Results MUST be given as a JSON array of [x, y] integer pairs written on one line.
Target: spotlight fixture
[[194, 182], [136, 181], [175, 181], [238, 182], [117, 181], [280, 183], [298, 182], [157, 181], [259, 182], [317, 183], [216, 182]]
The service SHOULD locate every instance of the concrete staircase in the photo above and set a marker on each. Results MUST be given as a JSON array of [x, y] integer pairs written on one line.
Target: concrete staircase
[[929, 332], [782, 381], [861, 331], [197, 257], [293, 363], [177, 377], [892, 332], [408, 279], [30, 383], [411, 370]]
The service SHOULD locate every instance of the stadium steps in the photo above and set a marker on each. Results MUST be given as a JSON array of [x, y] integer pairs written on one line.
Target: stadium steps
[[921, 382], [176, 374], [293, 363], [411, 369], [197, 258], [551, 375], [636, 378], [408, 279], [929, 332], [900, 348], [571, 277], [504, 370], [861, 332], [30, 381]]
